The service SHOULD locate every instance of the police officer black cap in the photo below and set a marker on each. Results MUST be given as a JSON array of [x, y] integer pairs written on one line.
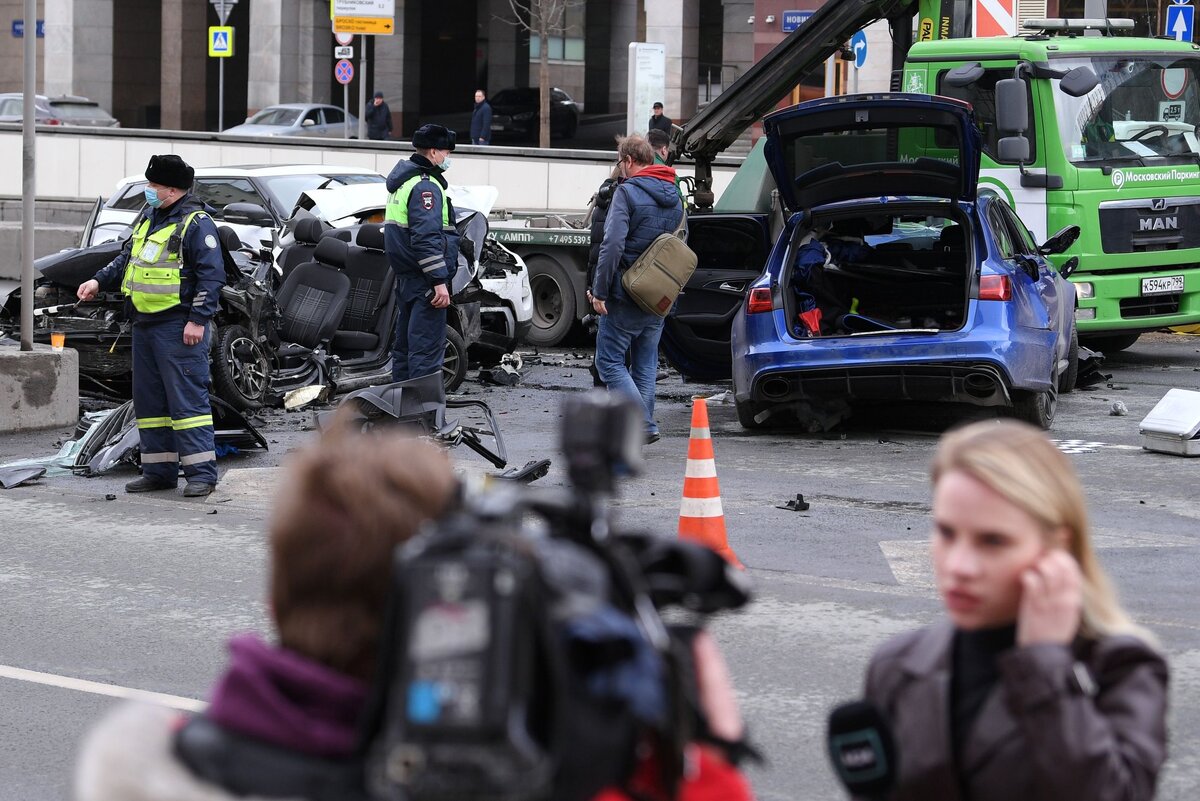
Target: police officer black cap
[[170, 170], [431, 136]]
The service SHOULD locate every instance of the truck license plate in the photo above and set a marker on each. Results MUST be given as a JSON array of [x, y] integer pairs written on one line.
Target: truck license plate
[[1162, 285]]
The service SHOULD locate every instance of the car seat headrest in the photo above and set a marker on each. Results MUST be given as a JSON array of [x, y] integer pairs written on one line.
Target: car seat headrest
[[308, 230], [952, 238], [332, 251], [229, 238], [371, 236]]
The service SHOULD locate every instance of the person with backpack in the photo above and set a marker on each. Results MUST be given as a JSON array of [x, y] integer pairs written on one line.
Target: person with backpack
[[644, 206]]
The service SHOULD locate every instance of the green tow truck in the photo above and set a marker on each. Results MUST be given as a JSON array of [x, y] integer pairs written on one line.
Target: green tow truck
[[1091, 128]]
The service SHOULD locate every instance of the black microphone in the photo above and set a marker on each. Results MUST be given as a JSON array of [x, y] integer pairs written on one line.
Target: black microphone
[[861, 749]]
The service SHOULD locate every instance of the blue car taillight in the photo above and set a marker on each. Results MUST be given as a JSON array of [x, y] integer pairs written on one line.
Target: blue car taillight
[[759, 300], [995, 287]]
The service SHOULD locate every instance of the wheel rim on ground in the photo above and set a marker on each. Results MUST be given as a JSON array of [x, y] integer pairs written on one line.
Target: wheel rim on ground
[[249, 377], [450, 361]]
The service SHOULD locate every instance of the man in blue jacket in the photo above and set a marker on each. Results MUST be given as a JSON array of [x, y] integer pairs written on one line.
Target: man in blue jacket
[[422, 246], [172, 269], [645, 205], [481, 120]]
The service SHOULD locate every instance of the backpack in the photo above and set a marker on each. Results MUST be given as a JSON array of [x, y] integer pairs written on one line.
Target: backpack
[[657, 276]]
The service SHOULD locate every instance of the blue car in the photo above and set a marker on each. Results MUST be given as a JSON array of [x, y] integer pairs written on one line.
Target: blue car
[[894, 278]]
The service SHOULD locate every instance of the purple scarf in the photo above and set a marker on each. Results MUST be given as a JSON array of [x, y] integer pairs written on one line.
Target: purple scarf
[[287, 700]]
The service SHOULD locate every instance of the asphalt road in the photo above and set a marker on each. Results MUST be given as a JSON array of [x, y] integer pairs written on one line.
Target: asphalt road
[[141, 592]]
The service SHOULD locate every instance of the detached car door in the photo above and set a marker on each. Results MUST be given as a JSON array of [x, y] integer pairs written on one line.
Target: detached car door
[[731, 251]]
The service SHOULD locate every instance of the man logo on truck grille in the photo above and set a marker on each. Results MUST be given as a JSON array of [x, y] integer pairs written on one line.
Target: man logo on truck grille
[[1158, 224]]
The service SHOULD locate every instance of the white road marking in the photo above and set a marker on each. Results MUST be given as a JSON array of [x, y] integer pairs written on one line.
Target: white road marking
[[97, 688]]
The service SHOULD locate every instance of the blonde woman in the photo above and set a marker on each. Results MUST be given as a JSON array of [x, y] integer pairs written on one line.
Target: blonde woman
[[1037, 685]]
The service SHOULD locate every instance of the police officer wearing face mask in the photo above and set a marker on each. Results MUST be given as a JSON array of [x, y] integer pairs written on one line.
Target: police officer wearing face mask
[[422, 246], [172, 270]]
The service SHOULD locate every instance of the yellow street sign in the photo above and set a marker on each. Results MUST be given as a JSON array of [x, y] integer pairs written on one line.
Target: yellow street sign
[[369, 25], [220, 41]]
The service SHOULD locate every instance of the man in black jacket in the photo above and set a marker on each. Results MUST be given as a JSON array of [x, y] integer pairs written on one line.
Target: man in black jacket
[[481, 120], [379, 119], [659, 120]]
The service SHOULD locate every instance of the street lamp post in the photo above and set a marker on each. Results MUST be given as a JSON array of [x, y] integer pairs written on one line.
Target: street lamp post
[[28, 184]]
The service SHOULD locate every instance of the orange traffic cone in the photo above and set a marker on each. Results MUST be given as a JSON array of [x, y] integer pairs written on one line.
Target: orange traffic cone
[[701, 518]]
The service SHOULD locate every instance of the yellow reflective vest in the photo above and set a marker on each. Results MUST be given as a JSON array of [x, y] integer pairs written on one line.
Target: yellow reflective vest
[[152, 274]]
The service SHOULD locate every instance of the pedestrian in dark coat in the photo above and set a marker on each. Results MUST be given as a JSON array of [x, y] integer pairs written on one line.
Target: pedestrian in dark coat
[[172, 269], [659, 120], [481, 120], [379, 119], [1037, 686], [645, 205]]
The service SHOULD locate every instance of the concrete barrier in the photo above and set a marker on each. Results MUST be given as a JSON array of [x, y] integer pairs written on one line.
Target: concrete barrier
[[47, 239], [80, 163], [38, 388]]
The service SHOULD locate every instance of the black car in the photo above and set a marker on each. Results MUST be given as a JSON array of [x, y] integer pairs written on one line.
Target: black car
[[515, 114]]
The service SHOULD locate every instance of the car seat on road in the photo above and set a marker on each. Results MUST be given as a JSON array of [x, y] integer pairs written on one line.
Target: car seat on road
[[307, 231], [313, 297], [369, 309]]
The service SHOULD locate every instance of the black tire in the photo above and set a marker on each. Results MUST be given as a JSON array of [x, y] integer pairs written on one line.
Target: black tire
[[1037, 408], [1111, 343], [1066, 382], [745, 414], [454, 361], [241, 369], [553, 301]]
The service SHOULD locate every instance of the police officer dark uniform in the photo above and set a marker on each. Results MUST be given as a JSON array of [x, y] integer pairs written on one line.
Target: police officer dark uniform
[[172, 270], [422, 246]]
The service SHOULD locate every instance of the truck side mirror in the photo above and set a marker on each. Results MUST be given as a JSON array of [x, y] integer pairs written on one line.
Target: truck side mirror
[[1078, 82], [1012, 106], [1061, 240], [1013, 149], [963, 75]]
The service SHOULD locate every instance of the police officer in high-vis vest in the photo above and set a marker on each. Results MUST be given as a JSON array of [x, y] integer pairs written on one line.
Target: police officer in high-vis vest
[[422, 246], [172, 270]]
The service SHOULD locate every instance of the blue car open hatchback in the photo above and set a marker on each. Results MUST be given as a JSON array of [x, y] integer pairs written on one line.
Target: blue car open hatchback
[[894, 279]]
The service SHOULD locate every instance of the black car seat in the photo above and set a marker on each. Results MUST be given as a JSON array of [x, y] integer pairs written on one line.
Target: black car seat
[[306, 231], [229, 238], [367, 317], [313, 297], [952, 249]]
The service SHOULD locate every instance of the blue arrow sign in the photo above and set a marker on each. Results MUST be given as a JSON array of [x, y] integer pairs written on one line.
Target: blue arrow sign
[[858, 44], [794, 19], [1179, 22]]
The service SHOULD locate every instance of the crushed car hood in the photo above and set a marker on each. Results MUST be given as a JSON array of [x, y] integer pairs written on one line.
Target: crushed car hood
[[867, 146]]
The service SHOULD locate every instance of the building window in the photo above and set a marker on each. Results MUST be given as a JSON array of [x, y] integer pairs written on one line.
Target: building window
[[565, 43]]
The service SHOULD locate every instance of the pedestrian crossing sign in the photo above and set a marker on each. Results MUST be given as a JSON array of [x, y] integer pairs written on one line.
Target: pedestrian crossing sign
[[220, 41]]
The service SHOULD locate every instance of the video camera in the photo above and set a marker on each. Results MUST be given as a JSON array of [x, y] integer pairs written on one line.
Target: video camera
[[525, 657]]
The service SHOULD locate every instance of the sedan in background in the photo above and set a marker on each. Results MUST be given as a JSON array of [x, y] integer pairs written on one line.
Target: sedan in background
[[298, 119], [515, 114], [65, 110]]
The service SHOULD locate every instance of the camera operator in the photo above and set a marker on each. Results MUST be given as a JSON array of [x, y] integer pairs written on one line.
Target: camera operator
[[344, 505], [286, 719]]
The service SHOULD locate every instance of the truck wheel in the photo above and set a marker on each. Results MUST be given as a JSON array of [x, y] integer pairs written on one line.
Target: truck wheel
[[454, 361], [1066, 381], [1111, 343], [240, 368], [553, 301]]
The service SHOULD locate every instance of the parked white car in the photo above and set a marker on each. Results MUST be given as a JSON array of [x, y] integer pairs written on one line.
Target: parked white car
[[267, 196]]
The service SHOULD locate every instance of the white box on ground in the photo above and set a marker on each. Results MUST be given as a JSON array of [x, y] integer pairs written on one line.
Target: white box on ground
[[1173, 424]]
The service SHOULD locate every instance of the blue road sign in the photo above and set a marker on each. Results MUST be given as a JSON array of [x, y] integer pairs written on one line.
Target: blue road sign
[[1179, 22], [18, 29], [794, 19], [858, 44], [343, 71]]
